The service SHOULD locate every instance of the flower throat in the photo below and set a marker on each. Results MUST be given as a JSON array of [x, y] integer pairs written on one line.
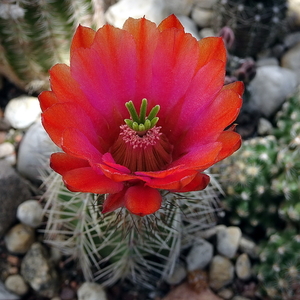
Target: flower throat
[[140, 145]]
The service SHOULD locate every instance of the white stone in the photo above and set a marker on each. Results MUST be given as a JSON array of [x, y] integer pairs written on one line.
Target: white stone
[[30, 213], [34, 151], [19, 239], [189, 26], [6, 295], [16, 284], [228, 240], [294, 10], [221, 272], [206, 32], [243, 267], [271, 86], [21, 112], [179, 7], [6, 149], [200, 255], [178, 275], [202, 17], [153, 10], [248, 247], [91, 291], [264, 127]]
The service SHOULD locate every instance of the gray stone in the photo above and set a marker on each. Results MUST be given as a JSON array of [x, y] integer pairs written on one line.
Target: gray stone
[[249, 247], [291, 59], [270, 88], [189, 26], [294, 11], [239, 298], [264, 127], [202, 17], [221, 272], [6, 295], [38, 271], [16, 284], [30, 213], [208, 4], [178, 275], [206, 32], [13, 191], [34, 152], [291, 39], [243, 267], [21, 112], [19, 239], [153, 10], [226, 293], [91, 291], [228, 240], [267, 61], [200, 255]]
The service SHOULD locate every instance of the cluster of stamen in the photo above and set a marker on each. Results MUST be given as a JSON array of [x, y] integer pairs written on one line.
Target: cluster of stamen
[[140, 145]]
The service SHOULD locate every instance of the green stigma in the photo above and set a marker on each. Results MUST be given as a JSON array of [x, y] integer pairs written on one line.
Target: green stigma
[[140, 122]]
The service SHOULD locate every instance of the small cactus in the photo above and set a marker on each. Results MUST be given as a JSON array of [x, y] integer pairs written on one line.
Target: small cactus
[[120, 245], [279, 269], [256, 24]]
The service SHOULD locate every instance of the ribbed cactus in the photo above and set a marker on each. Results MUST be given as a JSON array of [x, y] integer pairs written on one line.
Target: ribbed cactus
[[119, 245], [256, 24], [279, 269], [34, 35]]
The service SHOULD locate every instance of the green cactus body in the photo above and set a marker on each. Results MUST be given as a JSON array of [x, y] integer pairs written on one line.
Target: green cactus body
[[256, 24], [119, 245], [279, 270]]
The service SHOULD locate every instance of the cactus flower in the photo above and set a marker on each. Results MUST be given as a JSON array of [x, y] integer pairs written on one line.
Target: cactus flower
[[140, 109]]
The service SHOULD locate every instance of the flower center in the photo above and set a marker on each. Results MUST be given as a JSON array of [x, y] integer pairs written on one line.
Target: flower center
[[140, 145]]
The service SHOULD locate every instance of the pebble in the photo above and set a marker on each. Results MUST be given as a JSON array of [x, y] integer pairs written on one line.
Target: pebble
[[39, 272], [239, 298], [30, 213], [206, 32], [34, 151], [226, 293], [22, 111], [179, 7], [200, 255], [153, 10], [243, 267], [228, 240], [207, 4], [13, 190], [16, 284], [221, 272], [202, 17], [7, 295], [270, 88], [19, 239], [291, 59], [189, 26], [249, 247], [4, 124], [178, 275], [6, 149], [91, 291], [264, 127]]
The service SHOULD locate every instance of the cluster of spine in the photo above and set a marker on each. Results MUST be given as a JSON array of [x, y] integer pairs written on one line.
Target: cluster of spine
[[279, 270], [119, 245], [34, 35], [256, 24]]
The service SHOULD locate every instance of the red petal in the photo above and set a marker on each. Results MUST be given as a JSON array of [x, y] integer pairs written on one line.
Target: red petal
[[89, 181], [75, 143], [176, 181], [83, 37], [199, 182], [237, 87], [231, 141], [47, 99], [142, 200], [61, 162], [113, 202], [69, 115], [211, 48], [170, 22]]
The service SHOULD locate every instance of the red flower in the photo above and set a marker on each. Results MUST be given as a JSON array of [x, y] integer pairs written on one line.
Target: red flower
[[140, 109]]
